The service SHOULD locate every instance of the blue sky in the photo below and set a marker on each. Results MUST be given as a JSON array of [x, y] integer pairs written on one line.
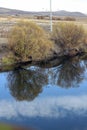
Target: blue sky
[[43, 5]]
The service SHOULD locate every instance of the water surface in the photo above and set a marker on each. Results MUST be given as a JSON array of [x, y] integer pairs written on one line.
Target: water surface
[[45, 98]]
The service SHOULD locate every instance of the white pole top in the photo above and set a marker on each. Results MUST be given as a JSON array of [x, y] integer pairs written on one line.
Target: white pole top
[[51, 16]]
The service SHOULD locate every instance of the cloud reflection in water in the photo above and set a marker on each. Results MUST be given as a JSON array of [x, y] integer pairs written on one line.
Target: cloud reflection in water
[[49, 107]]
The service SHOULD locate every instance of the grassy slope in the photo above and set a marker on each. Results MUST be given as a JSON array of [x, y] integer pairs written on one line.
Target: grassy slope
[[5, 127]]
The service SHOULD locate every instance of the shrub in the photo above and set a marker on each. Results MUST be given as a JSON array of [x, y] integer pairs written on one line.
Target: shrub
[[70, 19], [40, 17], [56, 18], [28, 40], [68, 35]]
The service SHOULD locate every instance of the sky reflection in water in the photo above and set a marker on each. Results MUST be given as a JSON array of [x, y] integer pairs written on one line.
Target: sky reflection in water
[[53, 98]]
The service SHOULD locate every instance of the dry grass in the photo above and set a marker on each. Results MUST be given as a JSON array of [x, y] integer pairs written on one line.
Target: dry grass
[[39, 45], [28, 40], [68, 35]]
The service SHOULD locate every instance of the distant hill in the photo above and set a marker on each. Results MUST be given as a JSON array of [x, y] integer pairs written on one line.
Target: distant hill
[[67, 13], [6, 11]]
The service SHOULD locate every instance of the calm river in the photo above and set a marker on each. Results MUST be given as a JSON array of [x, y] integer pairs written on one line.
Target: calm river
[[46, 98]]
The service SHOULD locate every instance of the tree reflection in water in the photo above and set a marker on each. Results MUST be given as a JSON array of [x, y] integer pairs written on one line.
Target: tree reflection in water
[[26, 84], [69, 74]]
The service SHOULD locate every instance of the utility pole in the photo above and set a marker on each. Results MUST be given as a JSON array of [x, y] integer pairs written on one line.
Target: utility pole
[[51, 28]]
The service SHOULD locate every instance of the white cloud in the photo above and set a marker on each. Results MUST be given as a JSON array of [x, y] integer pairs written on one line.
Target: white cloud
[[48, 107], [7, 110]]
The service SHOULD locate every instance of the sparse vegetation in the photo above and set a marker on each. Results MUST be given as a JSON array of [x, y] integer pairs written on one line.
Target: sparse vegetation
[[29, 41], [68, 36]]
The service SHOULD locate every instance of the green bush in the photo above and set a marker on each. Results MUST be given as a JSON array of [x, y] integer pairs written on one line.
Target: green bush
[[9, 60], [28, 40], [68, 35]]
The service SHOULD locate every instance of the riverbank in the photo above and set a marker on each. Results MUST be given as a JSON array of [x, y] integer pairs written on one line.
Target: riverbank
[[29, 43], [56, 58]]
